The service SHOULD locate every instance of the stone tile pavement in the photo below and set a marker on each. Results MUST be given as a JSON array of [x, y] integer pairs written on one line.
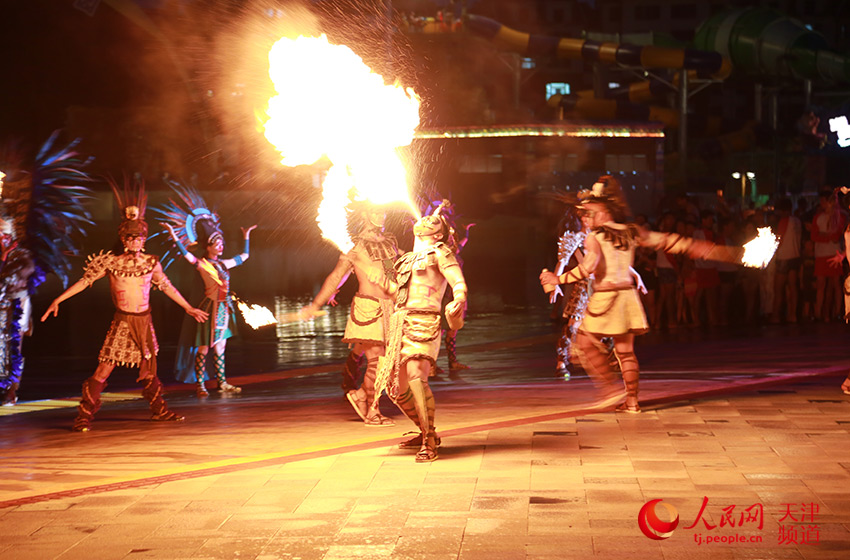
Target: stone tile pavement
[[528, 470]]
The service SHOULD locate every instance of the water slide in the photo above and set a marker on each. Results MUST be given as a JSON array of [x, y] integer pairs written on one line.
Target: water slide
[[750, 41], [621, 105], [763, 42]]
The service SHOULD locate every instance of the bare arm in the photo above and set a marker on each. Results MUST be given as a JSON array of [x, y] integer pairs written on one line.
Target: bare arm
[[73, 290], [454, 276], [246, 251], [330, 286], [183, 251], [638, 280], [693, 248], [583, 270], [161, 281], [839, 256]]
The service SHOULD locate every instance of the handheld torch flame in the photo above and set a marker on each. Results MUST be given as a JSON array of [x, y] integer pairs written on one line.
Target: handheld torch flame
[[359, 132], [256, 315], [759, 251]]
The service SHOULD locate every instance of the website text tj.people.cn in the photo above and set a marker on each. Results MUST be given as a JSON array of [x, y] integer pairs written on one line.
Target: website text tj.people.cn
[[700, 539]]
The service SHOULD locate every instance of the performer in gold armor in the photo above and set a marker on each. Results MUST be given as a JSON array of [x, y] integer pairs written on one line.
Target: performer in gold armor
[[414, 335]]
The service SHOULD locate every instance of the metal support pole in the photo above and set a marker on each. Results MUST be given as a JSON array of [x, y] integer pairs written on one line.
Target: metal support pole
[[807, 93], [683, 126], [773, 107]]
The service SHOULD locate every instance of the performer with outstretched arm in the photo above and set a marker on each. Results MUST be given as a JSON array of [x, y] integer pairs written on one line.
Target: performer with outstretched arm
[[189, 224], [131, 340], [614, 308], [371, 260]]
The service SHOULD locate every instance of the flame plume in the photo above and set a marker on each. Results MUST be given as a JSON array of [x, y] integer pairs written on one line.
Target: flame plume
[[329, 104], [759, 251]]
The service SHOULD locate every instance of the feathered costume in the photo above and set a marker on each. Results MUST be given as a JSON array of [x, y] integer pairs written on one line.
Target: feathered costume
[[194, 224], [43, 215]]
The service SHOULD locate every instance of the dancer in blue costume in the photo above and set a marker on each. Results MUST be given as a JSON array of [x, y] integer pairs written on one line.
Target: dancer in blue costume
[[191, 223], [42, 218]]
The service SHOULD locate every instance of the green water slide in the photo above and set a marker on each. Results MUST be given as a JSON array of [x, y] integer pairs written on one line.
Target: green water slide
[[764, 42]]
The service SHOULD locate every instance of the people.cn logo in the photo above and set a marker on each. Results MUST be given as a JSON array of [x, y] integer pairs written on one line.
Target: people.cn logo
[[652, 526]]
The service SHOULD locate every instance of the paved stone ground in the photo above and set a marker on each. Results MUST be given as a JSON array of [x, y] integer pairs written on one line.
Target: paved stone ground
[[529, 468]]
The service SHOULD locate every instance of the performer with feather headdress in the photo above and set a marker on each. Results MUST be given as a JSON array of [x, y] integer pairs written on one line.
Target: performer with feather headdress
[[43, 215], [191, 223], [131, 340]]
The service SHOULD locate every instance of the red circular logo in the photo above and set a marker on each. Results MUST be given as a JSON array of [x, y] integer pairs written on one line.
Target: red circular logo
[[652, 526]]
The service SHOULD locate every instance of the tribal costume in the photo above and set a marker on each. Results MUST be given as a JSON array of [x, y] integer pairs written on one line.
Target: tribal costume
[[42, 216], [371, 260], [614, 308], [414, 336], [370, 316], [131, 340], [191, 223]]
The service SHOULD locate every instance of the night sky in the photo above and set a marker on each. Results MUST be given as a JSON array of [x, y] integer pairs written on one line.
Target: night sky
[[54, 55]]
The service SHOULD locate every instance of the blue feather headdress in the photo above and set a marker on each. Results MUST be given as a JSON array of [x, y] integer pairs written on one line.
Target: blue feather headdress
[[48, 208], [191, 217]]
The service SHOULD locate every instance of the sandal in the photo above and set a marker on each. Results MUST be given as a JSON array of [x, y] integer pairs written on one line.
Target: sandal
[[361, 407], [416, 441], [379, 420], [81, 425], [845, 387], [631, 409], [454, 366], [168, 416], [201, 391], [226, 387], [428, 452]]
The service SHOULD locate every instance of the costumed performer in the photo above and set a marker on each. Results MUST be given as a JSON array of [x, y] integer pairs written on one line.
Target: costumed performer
[[451, 334], [42, 216], [371, 259], [414, 336], [190, 224], [131, 340], [614, 308], [570, 245], [836, 261]]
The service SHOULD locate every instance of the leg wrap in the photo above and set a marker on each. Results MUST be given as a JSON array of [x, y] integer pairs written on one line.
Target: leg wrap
[[405, 403], [152, 392], [218, 367], [423, 401], [565, 342], [594, 362], [451, 346], [200, 367], [631, 374], [89, 403], [368, 384], [431, 404], [350, 372]]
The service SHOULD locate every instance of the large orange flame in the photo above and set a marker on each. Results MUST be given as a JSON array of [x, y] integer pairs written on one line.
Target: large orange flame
[[330, 104]]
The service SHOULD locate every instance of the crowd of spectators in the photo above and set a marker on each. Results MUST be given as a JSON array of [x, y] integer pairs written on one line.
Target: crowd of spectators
[[803, 282]]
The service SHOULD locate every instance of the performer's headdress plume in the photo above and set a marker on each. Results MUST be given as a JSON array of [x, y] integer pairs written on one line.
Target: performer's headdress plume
[[132, 199], [194, 223], [47, 206]]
